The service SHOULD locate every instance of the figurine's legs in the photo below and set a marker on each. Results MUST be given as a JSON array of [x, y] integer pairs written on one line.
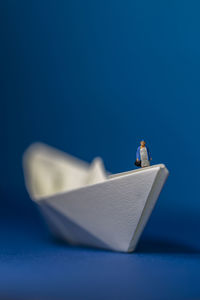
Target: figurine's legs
[[145, 163]]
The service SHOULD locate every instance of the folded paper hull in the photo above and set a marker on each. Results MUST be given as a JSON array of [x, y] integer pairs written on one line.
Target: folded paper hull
[[110, 214]]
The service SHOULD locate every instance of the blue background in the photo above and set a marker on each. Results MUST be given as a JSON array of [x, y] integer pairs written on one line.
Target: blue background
[[92, 78]]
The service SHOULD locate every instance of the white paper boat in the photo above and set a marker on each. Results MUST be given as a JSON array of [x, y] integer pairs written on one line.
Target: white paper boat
[[84, 205]]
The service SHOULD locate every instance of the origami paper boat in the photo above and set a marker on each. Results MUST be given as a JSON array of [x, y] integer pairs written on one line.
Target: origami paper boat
[[84, 205]]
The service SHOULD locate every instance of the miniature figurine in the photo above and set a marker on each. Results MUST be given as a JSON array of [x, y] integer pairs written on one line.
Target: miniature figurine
[[143, 156]]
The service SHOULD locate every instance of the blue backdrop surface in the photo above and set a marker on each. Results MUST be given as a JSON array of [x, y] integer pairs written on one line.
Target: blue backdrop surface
[[92, 78]]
